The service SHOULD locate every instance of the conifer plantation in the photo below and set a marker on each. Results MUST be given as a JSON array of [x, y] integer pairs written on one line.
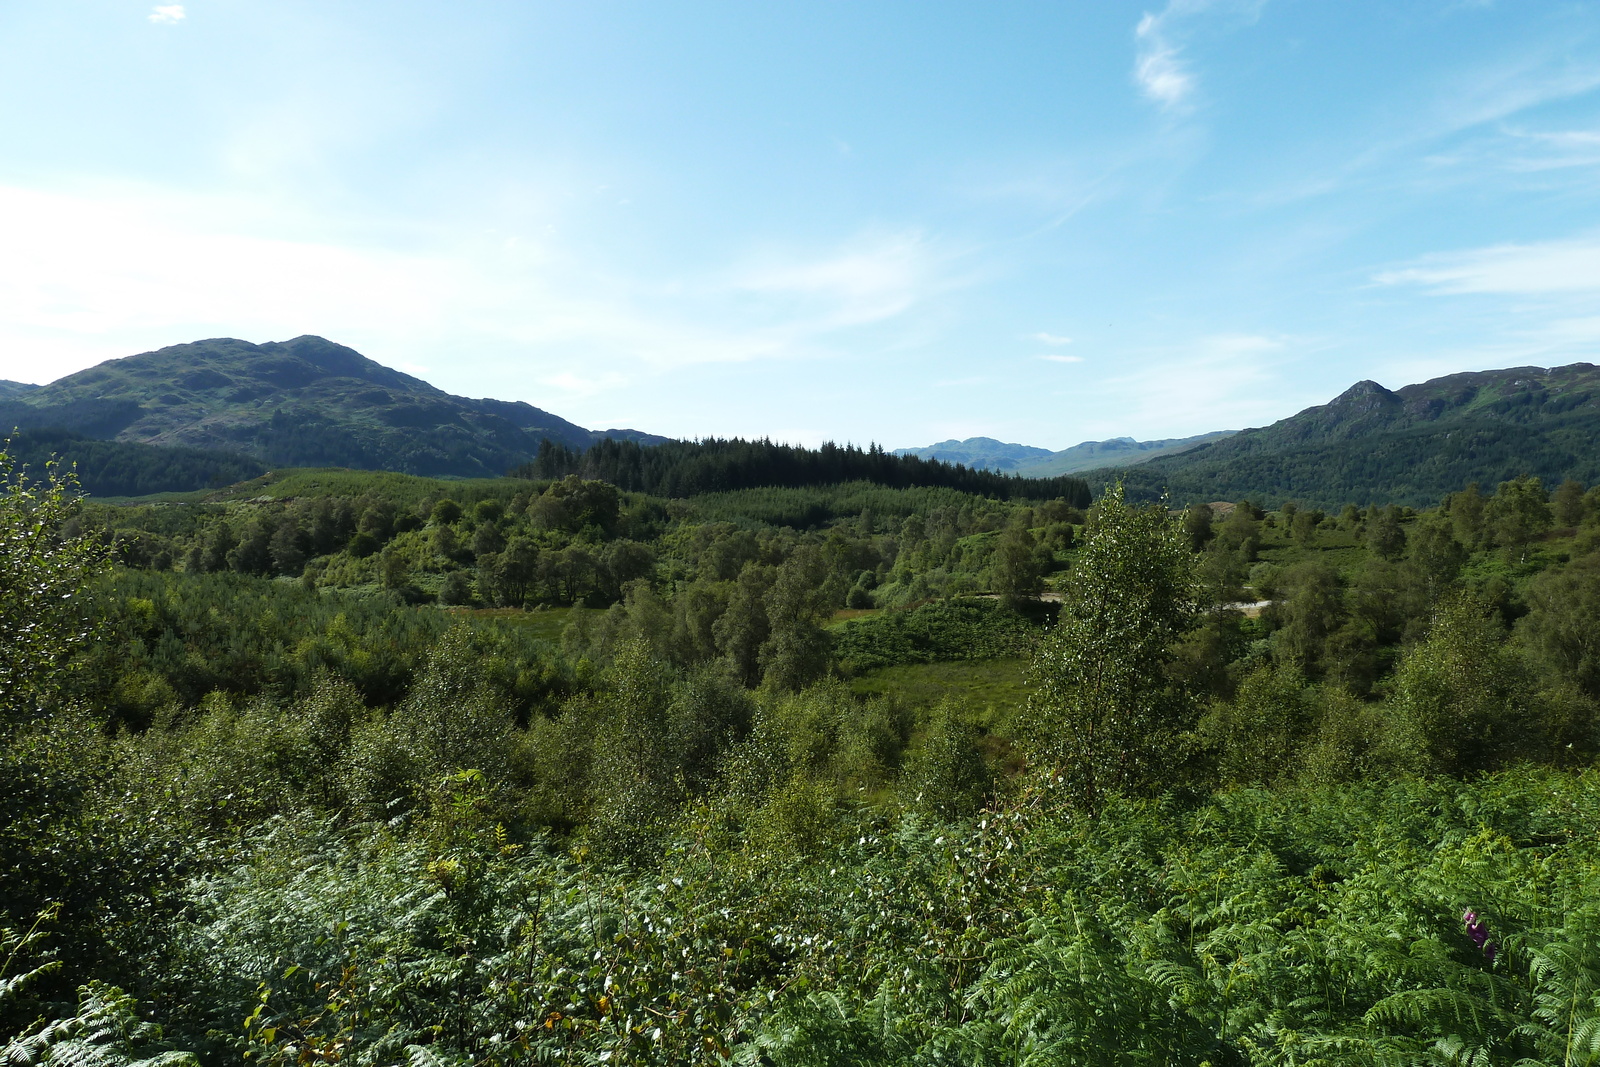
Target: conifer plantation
[[735, 753]]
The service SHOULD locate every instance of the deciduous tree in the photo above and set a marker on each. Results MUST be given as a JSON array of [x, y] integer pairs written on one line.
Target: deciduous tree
[[42, 578], [1104, 714]]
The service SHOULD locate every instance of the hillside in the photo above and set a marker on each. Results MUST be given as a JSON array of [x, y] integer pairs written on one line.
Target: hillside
[[129, 468], [304, 402], [14, 388], [1408, 446], [986, 453]]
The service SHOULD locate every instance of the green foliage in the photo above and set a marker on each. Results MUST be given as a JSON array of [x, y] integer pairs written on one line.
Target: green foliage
[[932, 633], [946, 774], [179, 637], [125, 468], [43, 573], [1258, 734], [452, 720], [1518, 512], [1563, 624], [312, 822], [105, 1031], [1104, 716], [1462, 701], [713, 465]]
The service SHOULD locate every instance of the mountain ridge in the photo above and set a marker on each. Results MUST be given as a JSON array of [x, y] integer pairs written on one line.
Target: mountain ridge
[[987, 453], [303, 402], [1411, 445]]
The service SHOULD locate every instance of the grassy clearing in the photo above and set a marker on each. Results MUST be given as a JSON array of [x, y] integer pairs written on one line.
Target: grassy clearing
[[996, 690], [545, 624]]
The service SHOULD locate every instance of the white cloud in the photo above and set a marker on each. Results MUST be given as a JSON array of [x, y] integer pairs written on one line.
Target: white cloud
[[877, 277], [1050, 339], [167, 14], [1494, 93], [1159, 67], [1222, 381], [579, 385], [1533, 304], [1053, 358], [1161, 74], [1549, 267], [103, 273]]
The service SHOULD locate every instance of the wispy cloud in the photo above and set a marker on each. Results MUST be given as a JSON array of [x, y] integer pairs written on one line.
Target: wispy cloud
[[1548, 294], [102, 273], [1157, 66], [1537, 77], [1055, 358], [167, 14], [877, 277], [579, 385], [1160, 69], [1548, 267], [1050, 339], [1216, 381]]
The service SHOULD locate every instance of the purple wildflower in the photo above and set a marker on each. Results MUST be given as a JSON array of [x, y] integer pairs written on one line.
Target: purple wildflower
[[1479, 934]]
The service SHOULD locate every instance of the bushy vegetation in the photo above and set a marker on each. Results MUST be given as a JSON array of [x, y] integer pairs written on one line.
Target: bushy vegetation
[[312, 772]]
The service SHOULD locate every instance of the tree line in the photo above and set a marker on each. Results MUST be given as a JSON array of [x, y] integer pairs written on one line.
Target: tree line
[[713, 465]]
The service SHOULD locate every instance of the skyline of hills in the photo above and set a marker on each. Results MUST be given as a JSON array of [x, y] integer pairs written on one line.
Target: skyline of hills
[[224, 406]]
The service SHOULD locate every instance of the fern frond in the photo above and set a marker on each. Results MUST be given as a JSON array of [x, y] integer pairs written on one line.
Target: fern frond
[[428, 1056]]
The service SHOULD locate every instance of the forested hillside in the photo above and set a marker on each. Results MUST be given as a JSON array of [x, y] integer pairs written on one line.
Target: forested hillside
[[302, 402], [125, 468], [337, 766], [1410, 446]]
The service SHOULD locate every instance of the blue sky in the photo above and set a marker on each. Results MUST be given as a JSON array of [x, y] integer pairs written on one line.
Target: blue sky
[[860, 221]]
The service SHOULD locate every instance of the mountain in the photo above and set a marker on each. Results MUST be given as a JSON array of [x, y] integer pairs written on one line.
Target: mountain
[[1117, 452], [1408, 446], [299, 403], [14, 388], [981, 453], [985, 453]]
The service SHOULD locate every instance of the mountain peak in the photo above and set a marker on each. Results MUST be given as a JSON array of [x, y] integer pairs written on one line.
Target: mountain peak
[[1361, 391]]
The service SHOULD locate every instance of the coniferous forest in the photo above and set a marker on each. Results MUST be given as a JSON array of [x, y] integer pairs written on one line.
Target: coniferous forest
[[730, 753]]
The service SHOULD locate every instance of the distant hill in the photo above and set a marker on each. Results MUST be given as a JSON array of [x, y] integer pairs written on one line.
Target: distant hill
[[301, 403], [985, 453], [14, 388], [1117, 452], [981, 453], [1407, 446]]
